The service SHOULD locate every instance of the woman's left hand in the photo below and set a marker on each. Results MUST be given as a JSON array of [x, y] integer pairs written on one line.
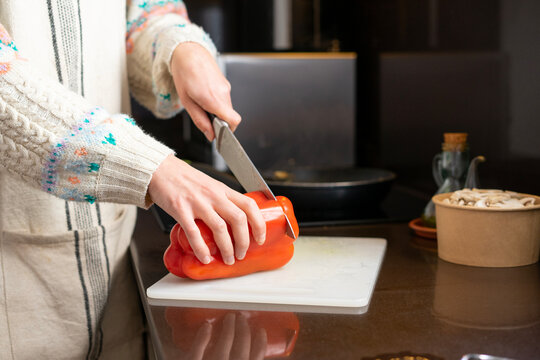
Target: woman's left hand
[[202, 87]]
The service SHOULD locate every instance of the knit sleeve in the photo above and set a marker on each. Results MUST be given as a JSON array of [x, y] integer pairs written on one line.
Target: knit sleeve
[[154, 29], [57, 141]]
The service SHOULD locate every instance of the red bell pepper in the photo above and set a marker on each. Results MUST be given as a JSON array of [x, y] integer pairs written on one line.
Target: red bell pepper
[[276, 251]]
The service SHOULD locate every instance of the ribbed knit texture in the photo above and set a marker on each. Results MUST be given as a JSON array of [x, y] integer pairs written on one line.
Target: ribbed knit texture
[[154, 31], [54, 139], [66, 288]]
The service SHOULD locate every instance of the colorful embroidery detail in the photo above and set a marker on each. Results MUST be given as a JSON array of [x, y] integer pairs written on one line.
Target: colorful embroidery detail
[[110, 139], [91, 199], [8, 51], [4, 68], [5, 38], [151, 9], [74, 180], [81, 152], [71, 158], [93, 167], [130, 120]]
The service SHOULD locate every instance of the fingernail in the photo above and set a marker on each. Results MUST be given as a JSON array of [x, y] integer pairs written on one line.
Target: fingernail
[[260, 240], [208, 135], [241, 256], [206, 260], [229, 260]]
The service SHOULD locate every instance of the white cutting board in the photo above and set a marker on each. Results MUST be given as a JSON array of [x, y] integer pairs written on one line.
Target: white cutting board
[[326, 274]]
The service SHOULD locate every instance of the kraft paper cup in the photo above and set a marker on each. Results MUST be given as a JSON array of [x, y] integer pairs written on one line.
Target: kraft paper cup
[[487, 237]]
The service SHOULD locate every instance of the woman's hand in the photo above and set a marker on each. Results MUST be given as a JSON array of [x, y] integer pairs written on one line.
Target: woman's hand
[[202, 87], [232, 338], [188, 194]]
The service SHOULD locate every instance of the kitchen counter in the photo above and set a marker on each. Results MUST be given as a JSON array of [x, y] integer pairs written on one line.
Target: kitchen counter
[[421, 307]]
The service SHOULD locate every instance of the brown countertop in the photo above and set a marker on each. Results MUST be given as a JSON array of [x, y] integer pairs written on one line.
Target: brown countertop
[[421, 306]]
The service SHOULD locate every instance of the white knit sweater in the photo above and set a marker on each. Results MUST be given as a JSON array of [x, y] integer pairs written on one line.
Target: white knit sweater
[[69, 156], [65, 144]]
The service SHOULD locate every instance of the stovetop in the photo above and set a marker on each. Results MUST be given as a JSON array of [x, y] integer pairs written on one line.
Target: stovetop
[[400, 205]]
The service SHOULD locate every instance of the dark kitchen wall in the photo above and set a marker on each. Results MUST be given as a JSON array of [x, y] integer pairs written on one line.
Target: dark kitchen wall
[[432, 66], [424, 67]]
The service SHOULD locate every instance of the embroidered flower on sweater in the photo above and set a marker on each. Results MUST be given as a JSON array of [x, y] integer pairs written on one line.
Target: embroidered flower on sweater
[[93, 167], [8, 51], [6, 39], [152, 9], [74, 180], [78, 154], [81, 152], [4, 68], [157, 21], [91, 199], [130, 120], [109, 139], [7, 55]]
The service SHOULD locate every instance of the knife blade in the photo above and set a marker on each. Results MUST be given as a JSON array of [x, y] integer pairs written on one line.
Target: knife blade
[[241, 165]]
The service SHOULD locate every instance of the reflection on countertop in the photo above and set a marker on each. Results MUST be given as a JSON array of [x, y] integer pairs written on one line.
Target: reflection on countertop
[[480, 298], [421, 305], [230, 334]]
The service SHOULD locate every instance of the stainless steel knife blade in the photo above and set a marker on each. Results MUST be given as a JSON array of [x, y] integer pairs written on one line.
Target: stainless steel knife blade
[[240, 164]]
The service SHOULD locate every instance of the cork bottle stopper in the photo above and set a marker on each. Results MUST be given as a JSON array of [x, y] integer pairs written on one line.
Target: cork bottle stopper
[[455, 141]]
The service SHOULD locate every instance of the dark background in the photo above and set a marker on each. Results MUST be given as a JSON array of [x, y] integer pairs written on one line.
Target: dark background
[[424, 67]]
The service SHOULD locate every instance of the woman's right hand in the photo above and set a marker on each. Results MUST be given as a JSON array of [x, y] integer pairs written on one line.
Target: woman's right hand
[[202, 88], [188, 194]]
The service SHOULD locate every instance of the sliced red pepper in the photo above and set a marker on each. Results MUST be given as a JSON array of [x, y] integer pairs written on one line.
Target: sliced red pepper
[[276, 251]]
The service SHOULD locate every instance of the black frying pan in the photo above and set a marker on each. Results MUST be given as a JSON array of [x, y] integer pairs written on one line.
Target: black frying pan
[[332, 190], [323, 194], [317, 194]]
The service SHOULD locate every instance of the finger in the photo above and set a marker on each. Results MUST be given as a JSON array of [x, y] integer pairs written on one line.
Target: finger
[[226, 113], [242, 339], [226, 337], [193, 234], [202, 338], [199, 118], [237, 219], [260, 343], [221, 235], [253, 213], [218, 102]]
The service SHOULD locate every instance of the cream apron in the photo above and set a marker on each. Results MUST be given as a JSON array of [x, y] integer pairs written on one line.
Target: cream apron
[[66, 284]]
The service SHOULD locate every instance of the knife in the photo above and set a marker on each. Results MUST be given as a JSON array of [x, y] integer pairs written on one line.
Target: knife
[[241, 165]]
